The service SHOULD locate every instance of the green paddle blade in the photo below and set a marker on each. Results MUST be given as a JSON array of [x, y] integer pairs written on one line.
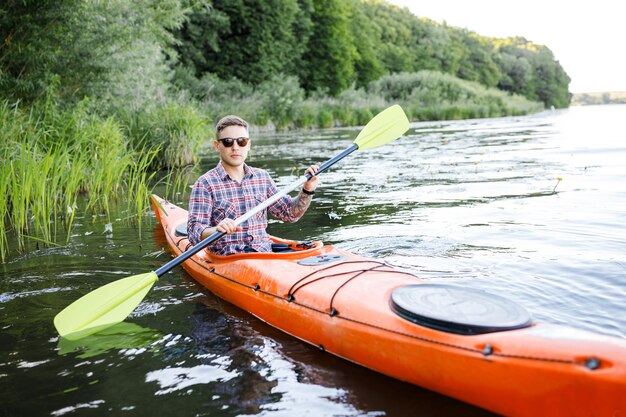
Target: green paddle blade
[[103, 307], [385, 127]]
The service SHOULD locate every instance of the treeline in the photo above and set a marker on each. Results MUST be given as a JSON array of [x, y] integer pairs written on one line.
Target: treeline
[[133, 54], [330, 45], [609, 97]]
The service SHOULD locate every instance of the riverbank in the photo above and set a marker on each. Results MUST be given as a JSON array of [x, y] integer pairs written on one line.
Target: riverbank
[[280, 103], [50, 152]]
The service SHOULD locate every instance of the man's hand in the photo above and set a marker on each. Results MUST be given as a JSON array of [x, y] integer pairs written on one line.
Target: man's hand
[[228, 226], [311, 184]]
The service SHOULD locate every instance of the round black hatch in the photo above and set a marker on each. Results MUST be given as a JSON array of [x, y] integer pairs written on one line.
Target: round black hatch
[[456, 309], [181, 229]]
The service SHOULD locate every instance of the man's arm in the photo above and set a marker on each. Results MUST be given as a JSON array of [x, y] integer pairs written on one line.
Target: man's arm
[[291, 209], [200, 208], [300, 204]]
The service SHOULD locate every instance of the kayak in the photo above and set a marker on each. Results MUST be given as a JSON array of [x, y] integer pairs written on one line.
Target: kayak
[[464, 343]]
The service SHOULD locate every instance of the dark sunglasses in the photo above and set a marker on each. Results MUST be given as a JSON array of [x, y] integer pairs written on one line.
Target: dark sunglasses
[[228, 142]]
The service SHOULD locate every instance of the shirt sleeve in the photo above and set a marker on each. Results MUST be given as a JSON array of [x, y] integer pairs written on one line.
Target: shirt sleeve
[[282, 208], [200, 208]]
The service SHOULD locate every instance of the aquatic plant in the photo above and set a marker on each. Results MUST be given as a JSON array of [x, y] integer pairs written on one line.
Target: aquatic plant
[[50, 157]]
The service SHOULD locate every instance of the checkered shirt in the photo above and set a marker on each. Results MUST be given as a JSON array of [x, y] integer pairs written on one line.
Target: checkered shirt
[[215, 196]]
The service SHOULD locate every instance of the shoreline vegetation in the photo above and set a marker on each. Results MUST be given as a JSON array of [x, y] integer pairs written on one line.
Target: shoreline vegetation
[[607, 97], [101, 99]]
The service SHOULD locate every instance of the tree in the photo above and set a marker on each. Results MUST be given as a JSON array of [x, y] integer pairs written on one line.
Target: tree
[[330, 53], [366, 34], [115, 51], [247, 39], [551, 80], [477, 62], [32, 43], [532, 70]]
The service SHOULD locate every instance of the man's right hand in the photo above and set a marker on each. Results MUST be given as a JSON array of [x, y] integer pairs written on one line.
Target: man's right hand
[[228, 226], [225, 226]]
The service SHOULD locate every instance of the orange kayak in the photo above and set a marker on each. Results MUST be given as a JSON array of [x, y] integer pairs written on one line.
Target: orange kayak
[[466, 344]]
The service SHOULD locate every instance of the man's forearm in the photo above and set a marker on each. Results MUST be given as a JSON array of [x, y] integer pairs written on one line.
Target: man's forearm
[[300, 204]]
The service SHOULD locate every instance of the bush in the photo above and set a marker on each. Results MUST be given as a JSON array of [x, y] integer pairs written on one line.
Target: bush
[[362, 116], [178, 129], [344, 115], [325, 119], [282, 96], [305, 116]]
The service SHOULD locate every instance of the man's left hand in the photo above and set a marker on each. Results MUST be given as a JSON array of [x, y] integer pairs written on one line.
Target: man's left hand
[[311, 184]]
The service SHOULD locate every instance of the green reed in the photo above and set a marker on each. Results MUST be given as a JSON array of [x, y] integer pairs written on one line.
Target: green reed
[[75, 169], [5, 177], [177, 182], [49, 159], [22, 177], [138, 183]]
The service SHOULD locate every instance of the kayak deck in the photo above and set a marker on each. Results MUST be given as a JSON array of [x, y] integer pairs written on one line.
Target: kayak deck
[[342, 303]]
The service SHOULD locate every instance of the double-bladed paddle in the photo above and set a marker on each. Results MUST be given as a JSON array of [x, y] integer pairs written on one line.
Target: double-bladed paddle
[[113, 302]]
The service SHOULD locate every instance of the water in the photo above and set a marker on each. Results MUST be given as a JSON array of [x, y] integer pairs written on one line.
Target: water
[[473, 202]]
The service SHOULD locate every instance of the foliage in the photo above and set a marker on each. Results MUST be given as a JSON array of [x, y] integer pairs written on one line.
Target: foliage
[[615, 97], [246, 39], [113, 50], [330, 53], [367, 64], [281, 97], [33, 42], [531, 70], [428, 95], [116, 51], [425, 95], [176, 128], [331, 45]]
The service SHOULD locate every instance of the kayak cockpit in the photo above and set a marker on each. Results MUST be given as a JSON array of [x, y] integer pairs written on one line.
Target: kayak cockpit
[[281, 249]]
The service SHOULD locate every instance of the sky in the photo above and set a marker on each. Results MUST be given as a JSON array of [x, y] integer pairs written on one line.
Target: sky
[[588, 38]]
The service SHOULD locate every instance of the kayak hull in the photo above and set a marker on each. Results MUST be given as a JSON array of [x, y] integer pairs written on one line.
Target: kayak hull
[[340, 302]]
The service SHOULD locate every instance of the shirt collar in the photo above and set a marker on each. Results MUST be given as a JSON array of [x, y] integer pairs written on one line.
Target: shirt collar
[[247, 171]]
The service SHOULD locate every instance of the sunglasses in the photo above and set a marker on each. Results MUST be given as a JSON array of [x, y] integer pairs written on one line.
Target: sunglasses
[[228, 142]]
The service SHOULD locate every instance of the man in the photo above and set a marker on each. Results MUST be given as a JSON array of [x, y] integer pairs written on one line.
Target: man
[[233, 188]]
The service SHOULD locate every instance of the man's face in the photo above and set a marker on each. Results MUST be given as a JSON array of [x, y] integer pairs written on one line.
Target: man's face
[[235, 155]]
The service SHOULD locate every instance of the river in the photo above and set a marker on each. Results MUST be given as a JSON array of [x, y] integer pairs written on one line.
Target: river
[[530, 208]]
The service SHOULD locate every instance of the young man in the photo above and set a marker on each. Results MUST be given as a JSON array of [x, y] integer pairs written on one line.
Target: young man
[[233, 188]]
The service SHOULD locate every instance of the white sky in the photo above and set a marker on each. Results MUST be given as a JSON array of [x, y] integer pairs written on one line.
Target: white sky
[[587, 38]]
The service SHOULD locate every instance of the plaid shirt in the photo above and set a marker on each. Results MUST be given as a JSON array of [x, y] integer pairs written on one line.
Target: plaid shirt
[[216, 196]]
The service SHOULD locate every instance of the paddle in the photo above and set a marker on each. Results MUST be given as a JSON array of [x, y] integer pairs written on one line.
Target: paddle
[[113, 302]]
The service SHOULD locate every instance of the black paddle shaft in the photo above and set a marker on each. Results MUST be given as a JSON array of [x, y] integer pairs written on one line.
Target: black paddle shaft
[[332, 161], [218, 235]]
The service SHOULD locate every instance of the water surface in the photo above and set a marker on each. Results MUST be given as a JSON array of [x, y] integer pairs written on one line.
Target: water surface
[[473, 202]]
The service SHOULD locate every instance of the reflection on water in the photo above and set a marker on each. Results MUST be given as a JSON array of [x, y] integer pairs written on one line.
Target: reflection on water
[[119, 336], [472, 202]]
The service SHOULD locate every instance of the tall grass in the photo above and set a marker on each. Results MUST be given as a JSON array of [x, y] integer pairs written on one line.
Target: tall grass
[[49, 157], [177, 129], [138, 185], [177, 182], [5, 175]]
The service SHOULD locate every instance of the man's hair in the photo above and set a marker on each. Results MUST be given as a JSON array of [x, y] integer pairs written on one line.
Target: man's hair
[[230, 120]]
